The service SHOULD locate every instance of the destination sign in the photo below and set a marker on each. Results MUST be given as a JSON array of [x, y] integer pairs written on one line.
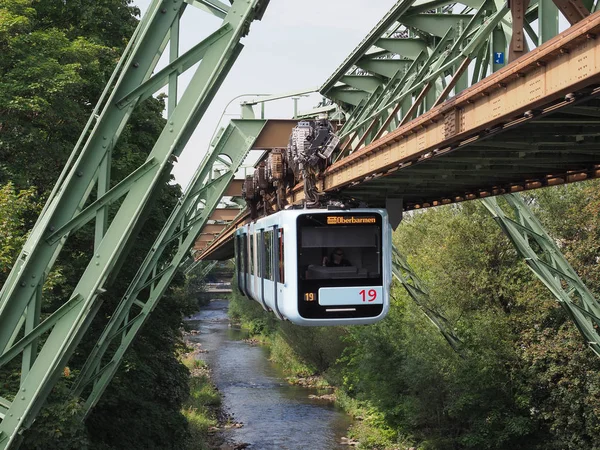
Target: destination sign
[[348, 220]]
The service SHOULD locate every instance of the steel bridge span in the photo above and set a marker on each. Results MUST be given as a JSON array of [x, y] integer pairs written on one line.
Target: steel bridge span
[[442, 102], [533, 123]]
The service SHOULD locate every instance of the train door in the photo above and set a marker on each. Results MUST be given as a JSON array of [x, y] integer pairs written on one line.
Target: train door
[[261, 256], [277, 266], [239, 268]]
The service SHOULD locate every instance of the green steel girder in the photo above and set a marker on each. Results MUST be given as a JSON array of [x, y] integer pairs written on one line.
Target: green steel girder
[[420, 295], [408, 48], [363, 83], [428, 76], [207, 266], [387, 23], [348, 95], [435, 24], [211, 6], [206, 190], [384, 67], [89, 168], [177, 66], [547, 262], [481, 32], [101, 203]]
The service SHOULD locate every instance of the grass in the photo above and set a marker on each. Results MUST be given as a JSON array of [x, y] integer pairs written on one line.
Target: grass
[[200, 409], [369, 426], [203, 393], [191, 361], [284, 356]]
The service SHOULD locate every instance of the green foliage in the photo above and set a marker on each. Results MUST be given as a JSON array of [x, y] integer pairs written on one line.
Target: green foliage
[[319, 347], [199, 423], [56, 59], [404, 368], [50, 77], [527, 381], [300, 351], [17, 210], [190, 361], [202, 393], [200, 409], [58, 426], [249, 313], [285, 357], [564, 373], [142, 406]]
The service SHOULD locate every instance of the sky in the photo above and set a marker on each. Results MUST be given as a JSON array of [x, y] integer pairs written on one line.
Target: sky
[[297, 45]]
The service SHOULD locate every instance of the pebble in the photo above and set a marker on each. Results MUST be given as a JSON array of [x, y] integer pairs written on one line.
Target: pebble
[[326, 397], [349, 442], [234, 446]]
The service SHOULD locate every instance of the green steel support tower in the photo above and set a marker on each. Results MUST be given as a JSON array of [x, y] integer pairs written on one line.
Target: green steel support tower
[[45, 346], [418, 291], [546, 261]]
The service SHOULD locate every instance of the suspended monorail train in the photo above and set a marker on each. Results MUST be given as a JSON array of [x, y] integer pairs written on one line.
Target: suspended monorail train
[[318, 266]]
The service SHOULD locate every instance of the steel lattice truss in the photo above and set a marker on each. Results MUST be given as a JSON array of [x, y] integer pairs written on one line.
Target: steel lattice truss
[[419, 293], [423, 52], [43, 344], [546, 261]]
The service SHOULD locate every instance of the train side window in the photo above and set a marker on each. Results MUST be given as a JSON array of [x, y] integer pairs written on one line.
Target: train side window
[[268, 263], [244, 251], [238, 259], [281, 259], [260, 253], [251, 254]]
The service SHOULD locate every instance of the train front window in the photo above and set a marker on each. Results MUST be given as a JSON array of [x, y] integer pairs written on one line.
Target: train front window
[[333, 247]]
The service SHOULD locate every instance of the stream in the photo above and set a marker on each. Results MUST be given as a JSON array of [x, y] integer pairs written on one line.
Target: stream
[[275, 415]]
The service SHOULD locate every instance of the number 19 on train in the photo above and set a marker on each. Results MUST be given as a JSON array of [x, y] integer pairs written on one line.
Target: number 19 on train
[[368, 296]]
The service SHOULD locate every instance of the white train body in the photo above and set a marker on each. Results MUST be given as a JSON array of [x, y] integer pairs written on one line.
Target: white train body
[[318, 266]]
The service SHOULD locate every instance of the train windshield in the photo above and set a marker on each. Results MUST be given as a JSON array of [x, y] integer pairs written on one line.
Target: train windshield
[[339, 246]]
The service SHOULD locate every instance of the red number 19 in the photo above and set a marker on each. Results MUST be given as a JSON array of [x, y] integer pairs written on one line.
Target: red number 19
[[372, 293]]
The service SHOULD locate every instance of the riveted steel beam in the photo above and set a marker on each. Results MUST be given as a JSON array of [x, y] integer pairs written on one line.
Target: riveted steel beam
[[507, 93], [573, 10], [158, 268], [547, 262], [418, 291], [482, 31], [89, 167], [423, 84]]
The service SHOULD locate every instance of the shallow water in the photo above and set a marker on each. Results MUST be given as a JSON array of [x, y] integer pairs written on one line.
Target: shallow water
[[275, 415]]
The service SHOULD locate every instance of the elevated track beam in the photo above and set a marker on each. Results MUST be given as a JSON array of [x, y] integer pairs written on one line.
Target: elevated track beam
[[547, 80]]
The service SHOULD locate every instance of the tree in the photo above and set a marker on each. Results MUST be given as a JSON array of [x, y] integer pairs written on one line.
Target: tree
[[17, 210], [57, 57]]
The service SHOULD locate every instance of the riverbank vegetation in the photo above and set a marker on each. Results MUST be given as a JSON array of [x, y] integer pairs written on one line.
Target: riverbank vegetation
[[525, 380], [201, 407]]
